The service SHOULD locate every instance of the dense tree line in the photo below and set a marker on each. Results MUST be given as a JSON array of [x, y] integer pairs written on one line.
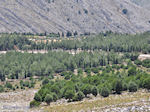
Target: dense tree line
[[104, 41], [109, 42], [13, 42], [15, 65]]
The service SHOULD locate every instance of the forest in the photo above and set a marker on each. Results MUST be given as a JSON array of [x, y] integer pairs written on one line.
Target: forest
[[104, 41], [15, 65], [106, 64]]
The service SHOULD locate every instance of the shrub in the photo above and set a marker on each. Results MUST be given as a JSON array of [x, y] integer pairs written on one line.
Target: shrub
[[146, 83], [105, 92], [8, 85], [88, 70], [48, 98], [69, 94], [137, 62], [79, 96], [22, 87], [100, 86], [132, 71], [124, 11], [69, 34], [67, 77], [85, 11], [34, 104], [94, 91], [21, 83], [132, 87], [80, 71], [86, 89], [95, 70], [45, 81], [55, 97], [43, 93], [26, 84], [37, 97], [124, 86], [118, 87], [1, 89], [55, 89]]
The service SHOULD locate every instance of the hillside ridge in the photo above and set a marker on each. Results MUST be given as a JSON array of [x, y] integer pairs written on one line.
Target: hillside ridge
[[93, 16]]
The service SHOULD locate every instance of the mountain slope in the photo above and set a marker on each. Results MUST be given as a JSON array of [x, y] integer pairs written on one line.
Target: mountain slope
[[143, 3], [73, 15]]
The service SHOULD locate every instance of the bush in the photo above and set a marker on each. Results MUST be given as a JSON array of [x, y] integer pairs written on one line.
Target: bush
[[55, 97], [45, 81], [37, 97], [125, 86], [94, 91], [132, 71], [67, 77], [34, 104], [146, 83], [105, 92], [55, 88], [132, 87], [69, 94], [22, 87], [69, 34], [1, 89], [26, 84], [8, 85], [88, 70], [86, 89], [124, 11], [48, 98], [43, 92], [80, 71], [118, 87], [137, 62], [79, 96], [95, 70]]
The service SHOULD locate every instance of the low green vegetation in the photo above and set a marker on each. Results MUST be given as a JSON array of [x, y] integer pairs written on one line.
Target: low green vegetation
[[105, 83], [145, 63]]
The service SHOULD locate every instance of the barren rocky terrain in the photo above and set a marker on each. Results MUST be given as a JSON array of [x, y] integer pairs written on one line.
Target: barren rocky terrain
[[143, 3], [16, 101], [93, 16]]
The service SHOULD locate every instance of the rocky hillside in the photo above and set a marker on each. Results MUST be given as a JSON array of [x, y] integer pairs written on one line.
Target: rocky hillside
[[143, 3], [73, 15]]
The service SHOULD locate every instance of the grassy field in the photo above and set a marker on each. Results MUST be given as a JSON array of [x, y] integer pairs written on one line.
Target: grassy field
[[101, 103]]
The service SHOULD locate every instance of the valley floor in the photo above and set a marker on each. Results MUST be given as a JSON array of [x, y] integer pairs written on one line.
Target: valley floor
[[18, 101]]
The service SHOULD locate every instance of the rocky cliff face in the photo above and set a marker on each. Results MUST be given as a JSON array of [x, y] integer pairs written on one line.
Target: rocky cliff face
[[73, 15]]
